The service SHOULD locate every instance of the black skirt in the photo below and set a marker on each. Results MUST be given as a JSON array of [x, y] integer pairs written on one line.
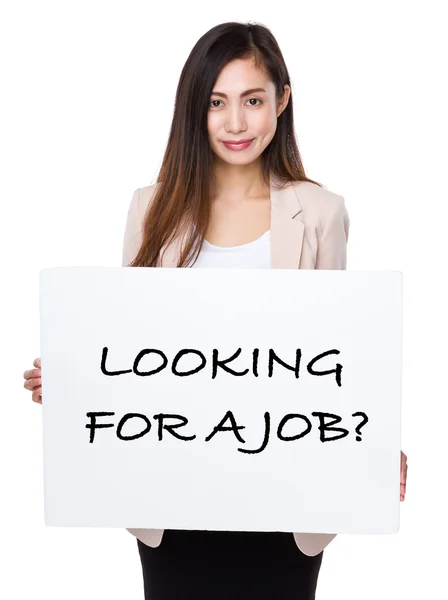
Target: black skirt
[[218, 565]]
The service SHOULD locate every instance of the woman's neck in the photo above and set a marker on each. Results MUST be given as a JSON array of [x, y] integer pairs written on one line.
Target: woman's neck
[[239, 182]]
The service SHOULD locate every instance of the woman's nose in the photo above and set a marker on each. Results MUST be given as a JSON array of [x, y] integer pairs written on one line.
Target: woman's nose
[[235, 120]]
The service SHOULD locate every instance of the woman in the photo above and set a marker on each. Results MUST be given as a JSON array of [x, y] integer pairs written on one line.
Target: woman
[[232, 192]]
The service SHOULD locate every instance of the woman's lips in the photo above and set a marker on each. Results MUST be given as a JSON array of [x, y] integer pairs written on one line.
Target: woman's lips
[[237, 146]]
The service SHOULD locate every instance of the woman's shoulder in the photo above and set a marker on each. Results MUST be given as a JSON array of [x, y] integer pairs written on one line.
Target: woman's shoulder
[[318, 202], [311, 194], [145, 194], [140, 201], [315, 201]]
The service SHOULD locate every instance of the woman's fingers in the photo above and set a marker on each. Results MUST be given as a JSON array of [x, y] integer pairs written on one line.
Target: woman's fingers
[[404, 468], [29, 373], [33, 385], [37, 395], [33, 381], [403, 475]]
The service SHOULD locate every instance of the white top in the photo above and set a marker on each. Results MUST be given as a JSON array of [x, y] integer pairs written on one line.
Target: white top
[[255, 255]]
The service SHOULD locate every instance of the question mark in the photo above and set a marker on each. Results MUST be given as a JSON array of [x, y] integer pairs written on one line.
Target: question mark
[[360, 425]]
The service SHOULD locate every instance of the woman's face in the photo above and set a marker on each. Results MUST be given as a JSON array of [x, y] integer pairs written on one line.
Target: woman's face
[[237, 112]]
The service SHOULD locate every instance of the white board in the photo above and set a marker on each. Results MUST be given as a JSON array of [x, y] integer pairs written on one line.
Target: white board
[[308, 484]]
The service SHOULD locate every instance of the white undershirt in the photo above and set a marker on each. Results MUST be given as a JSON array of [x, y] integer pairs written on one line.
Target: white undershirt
[[255, 255]]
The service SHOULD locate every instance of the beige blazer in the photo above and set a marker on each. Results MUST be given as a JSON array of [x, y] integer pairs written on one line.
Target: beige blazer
[[309, 230]]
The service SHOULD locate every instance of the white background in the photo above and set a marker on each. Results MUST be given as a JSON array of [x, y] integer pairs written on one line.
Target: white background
[[87, 100]]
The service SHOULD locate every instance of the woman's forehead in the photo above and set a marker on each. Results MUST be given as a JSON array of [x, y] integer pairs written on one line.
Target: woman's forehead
[[238, 76]]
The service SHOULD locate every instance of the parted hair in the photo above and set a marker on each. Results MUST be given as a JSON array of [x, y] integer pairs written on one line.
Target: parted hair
[[185, 183]]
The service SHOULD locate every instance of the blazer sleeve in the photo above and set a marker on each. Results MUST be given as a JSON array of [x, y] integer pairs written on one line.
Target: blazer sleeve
[[132, 237], [332, 245], [132, 240], [331, 254]]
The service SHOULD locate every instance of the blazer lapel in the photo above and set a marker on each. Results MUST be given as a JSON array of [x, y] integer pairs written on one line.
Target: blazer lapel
[[286, 230]]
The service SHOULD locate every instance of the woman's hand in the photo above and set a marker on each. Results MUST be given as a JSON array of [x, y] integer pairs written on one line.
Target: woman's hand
[[403, 475], [33, 381]]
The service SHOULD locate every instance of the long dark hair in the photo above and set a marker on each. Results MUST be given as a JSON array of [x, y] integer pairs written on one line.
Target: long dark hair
[[185, 183]]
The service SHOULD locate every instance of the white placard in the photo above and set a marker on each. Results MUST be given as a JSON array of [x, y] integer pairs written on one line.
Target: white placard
[[309, 451]]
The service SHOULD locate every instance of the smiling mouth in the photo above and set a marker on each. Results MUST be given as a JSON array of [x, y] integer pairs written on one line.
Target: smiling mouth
[[237, 145]]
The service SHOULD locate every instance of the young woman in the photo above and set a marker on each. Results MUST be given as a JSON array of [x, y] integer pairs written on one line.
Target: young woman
[[232, 192]]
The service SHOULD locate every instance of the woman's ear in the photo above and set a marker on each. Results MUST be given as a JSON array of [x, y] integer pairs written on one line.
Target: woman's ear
[[283, 102]]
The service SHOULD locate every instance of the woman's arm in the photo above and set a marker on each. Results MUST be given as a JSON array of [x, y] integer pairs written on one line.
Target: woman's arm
[[133, 231], [132, 239], [332, 244], [313, 543], [331, 254]]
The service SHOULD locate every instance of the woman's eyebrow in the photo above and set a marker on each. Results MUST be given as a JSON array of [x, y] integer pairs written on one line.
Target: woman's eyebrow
[[247, 92]]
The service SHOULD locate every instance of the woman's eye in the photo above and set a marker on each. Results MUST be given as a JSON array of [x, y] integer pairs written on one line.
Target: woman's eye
[[257, 99], [212, 105]]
